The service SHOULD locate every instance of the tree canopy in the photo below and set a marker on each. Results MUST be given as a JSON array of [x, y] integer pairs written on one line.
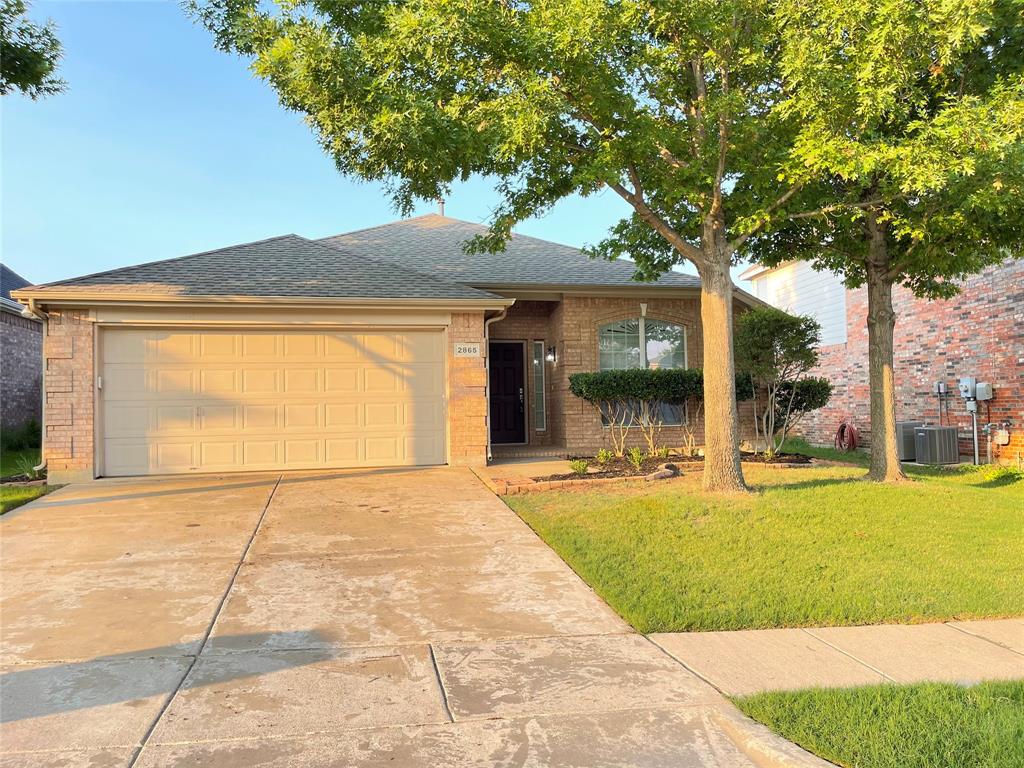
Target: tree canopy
[[912, 123], [29, 53]]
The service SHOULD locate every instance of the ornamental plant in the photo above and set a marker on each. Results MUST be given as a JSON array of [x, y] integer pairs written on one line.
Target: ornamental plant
[[777, 350], [635, 397]]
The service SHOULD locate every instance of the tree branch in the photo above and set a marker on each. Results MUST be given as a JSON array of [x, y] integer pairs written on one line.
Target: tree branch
[[784, 198], [657, 223]]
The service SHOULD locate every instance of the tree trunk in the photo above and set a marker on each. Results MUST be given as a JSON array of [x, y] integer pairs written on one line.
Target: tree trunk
[[885, 462], [722, 470]]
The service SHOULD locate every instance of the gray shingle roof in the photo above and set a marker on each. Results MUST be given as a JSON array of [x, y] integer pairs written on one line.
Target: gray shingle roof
[[281, 266], [432, 244], [10, 281]]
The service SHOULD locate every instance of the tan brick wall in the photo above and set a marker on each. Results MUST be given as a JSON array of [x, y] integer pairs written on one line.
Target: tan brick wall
[[467, 404], [68, 382], [572, 326]]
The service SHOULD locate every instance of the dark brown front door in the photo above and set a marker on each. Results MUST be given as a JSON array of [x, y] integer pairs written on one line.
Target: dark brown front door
[[508, 400]]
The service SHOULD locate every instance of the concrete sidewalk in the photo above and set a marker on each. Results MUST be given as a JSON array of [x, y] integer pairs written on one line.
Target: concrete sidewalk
[[747, 662]]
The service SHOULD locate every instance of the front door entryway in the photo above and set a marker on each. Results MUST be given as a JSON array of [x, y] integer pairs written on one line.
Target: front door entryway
[[508, 397]]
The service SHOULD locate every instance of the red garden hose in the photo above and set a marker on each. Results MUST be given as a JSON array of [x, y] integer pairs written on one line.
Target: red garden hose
[[846, 437]]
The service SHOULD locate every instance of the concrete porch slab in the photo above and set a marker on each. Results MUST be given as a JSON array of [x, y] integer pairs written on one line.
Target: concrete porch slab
[[565, 675], [649, 738], [1008, 633], [84, 705], [298, 692], [912, 653], [746, 662]]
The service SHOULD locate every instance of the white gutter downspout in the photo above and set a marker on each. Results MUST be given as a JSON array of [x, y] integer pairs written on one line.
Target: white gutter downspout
[[487, 374], [32, 312]]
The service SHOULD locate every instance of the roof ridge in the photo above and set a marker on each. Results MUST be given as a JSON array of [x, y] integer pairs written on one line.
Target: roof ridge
[[398, 221], [514, 235], [392, 265], [164, 261]]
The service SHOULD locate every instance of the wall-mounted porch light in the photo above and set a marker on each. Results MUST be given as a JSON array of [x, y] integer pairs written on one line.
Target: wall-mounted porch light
[[550, 356]]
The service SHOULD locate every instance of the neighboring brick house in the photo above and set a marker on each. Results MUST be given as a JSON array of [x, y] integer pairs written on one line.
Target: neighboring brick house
[[979, 333], [388, 346], [21, 359]]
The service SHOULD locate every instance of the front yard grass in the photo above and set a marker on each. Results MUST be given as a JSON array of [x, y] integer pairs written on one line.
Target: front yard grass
[[810, 547], [902, 726], [12, 496]]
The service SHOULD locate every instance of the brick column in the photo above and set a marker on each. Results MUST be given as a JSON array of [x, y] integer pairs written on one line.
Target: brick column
[[467, 403], [69, 396]]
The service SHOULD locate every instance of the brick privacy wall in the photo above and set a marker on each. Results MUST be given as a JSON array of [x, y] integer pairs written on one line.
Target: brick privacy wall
[[467, 412], [69, 384], [572, 326], [530, 321], [21, 370], [978, 333]]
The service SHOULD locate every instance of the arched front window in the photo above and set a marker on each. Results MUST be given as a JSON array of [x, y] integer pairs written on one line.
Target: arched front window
[[644, 343], [641, 343]]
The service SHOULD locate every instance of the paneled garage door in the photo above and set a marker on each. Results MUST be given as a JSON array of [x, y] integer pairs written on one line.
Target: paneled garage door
[[177, 401]]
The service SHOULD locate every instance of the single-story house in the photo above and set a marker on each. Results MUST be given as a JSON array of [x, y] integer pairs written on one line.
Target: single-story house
[[21, 344], [978, 333], [388, 346]]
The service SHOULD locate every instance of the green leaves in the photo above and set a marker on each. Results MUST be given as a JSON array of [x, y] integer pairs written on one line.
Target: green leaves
[[912, 117], [29, 53]]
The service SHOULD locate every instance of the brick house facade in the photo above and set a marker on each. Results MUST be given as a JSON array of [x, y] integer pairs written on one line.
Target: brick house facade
[[364, 350], [21, 341], [571, 327], [979, 332]]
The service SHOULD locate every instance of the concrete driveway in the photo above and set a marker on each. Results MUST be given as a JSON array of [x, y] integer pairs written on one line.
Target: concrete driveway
[[400, 618]]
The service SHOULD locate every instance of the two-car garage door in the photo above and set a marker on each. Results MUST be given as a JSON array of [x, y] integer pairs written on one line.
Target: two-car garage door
[[176, 401]]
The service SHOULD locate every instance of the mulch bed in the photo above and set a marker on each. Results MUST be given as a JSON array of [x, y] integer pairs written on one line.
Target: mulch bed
[[622, 467]]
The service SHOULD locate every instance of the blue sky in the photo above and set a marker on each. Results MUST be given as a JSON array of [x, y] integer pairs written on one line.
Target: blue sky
[[163, 146]]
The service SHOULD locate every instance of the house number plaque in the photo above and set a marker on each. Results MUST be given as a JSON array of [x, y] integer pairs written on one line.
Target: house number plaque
[[467, 350]]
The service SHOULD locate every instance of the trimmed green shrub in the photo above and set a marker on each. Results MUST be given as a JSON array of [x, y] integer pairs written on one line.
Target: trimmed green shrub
[[634, 397]]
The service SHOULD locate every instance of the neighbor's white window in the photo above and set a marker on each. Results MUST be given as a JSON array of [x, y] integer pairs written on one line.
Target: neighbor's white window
[[540, 420], [644, 343]]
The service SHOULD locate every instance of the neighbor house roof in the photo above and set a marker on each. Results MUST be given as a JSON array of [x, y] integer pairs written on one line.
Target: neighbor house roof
[[433, 245], [10, 281], [281, 267]]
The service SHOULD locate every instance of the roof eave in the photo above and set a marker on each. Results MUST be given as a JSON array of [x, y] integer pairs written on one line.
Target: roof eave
[[50, 297]]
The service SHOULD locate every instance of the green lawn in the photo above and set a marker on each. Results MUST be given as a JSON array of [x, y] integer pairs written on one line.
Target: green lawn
[[12, 496], [811, 547], [11, 463], [902, 726]]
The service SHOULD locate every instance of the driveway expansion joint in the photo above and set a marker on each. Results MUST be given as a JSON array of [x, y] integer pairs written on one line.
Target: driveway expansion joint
[[209, 630]]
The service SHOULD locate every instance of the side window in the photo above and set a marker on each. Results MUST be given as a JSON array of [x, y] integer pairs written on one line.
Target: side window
[[540, 419]]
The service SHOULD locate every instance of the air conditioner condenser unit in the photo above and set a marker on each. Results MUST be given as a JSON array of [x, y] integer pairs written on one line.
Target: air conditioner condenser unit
[[936, 445], [906, 446]]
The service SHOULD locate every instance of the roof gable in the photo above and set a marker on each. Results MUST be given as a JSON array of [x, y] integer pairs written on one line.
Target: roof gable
[[433, 244], [286, 266]]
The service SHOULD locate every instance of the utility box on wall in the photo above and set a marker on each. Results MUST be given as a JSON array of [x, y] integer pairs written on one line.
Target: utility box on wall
[[936, 445]]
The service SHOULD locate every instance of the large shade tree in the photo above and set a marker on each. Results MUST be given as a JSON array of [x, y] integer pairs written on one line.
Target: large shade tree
[[29, 53], [672, 105], [912, 121]]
